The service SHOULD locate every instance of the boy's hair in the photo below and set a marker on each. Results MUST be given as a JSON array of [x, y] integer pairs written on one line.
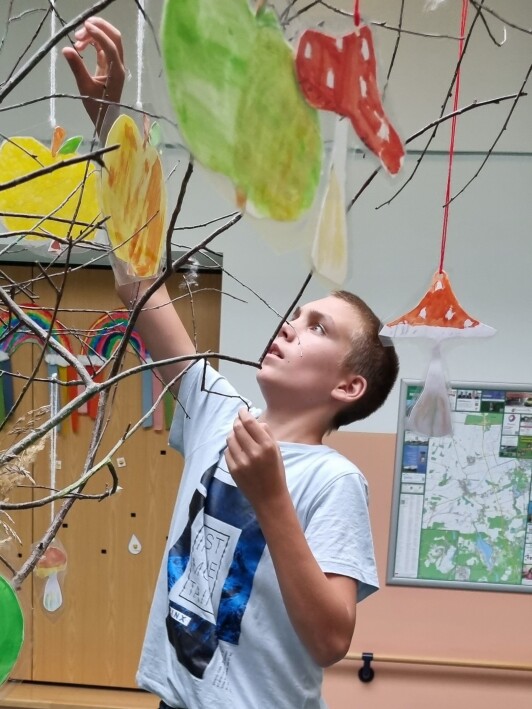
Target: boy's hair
[[372, 359]]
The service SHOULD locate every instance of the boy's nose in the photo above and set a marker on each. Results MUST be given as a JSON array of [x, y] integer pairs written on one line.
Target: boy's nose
[[288, 331]]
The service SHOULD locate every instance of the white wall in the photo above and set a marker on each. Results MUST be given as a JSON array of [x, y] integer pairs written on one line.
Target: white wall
[[394, 249]]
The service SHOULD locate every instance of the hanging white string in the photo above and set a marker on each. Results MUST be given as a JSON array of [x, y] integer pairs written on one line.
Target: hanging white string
[[54, 408], [53, 63], [141, 8]]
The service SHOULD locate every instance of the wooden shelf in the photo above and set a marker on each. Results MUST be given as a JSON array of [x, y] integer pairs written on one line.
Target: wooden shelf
[[31, 695]]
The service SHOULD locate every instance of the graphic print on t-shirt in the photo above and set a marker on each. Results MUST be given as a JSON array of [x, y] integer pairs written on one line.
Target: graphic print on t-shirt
[[210, 572]]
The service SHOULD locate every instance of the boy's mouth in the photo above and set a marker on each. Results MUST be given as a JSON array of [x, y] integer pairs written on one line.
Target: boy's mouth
[[275, 351]]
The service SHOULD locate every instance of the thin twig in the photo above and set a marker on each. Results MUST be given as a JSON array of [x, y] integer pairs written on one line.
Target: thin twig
[[95, 155], [94, 9], [447, 97], [477, 5], [421, 131], [285, 317], [499, 135]]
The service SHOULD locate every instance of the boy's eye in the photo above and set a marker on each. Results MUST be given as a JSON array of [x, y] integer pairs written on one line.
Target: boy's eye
[[319, 327]]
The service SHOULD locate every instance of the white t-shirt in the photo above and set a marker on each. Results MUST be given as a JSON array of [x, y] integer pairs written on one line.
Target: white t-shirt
[[218, 634]]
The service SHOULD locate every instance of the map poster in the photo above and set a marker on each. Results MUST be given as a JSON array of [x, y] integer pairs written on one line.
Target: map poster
[[462, 504]]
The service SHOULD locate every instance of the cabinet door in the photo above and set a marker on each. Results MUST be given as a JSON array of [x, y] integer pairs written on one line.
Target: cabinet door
[[17, 549], [114, 547]]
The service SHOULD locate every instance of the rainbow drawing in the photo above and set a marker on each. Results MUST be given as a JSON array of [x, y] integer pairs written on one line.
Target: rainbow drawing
[[105, 335], [107, 332], [14, 333]]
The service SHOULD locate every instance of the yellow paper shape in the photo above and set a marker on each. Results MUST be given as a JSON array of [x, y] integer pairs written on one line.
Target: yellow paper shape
[[133, 196], [64, 193], [329, 250]]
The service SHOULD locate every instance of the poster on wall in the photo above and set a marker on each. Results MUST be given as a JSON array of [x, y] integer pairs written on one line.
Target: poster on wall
[[462, 504]]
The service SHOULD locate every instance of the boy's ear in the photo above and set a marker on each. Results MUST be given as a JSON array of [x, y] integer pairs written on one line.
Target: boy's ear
[[350, 389]]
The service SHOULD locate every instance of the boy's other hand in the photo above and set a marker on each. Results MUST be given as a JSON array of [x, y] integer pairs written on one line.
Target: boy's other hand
[[255, 461], [107, 81]]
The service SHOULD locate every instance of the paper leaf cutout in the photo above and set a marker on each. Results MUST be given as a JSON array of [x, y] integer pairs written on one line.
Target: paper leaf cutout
[[11, 629], [71, 145], [155, 135], [340, 74], [230, 75], [58, 137], [67, 194], [133, 196], [329, 250], [438, 315]]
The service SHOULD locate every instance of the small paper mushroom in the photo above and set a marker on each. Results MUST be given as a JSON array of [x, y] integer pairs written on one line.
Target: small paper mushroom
[[52, 562], [438, 316]]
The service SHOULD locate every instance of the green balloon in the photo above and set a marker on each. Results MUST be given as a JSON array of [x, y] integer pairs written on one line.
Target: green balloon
[[11, 629]]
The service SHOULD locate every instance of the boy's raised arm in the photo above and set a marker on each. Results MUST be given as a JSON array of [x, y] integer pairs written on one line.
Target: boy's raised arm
[[159, 324]]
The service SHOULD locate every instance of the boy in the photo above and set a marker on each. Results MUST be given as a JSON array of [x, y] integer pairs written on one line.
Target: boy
[[270, 546]]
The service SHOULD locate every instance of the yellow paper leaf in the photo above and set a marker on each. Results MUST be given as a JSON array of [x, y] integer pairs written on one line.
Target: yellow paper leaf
[[329, 251], [133, 196], [64, 193]]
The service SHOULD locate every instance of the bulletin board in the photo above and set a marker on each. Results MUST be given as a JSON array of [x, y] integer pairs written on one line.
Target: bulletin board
[[462, 504]]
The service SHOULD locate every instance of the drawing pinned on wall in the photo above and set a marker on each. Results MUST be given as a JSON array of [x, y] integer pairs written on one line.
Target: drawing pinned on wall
[[54, 207], [438, 316], [133, 197], [339, 74], [51, 567], [230, 75], [13, 333], [105, 335], [11, 629]]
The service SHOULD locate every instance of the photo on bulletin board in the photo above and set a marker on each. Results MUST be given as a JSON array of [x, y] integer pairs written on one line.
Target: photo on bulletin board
[[462, 504]]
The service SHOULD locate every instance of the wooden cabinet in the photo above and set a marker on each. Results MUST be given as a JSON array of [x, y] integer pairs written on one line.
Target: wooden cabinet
[[95, 637]]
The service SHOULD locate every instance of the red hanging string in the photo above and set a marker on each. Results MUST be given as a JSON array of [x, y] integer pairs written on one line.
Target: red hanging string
[[465, 5], [356, 14]]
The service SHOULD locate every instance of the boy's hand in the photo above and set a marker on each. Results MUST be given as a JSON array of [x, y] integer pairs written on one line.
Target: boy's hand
[[107, 81], [255, 461]]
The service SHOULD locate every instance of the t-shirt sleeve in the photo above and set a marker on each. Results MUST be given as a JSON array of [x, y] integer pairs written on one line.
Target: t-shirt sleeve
[[339, 533]]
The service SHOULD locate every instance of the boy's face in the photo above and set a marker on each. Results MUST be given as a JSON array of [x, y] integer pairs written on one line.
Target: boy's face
[[305, 362]]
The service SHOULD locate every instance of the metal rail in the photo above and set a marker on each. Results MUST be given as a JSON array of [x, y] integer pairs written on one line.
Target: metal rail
[[442, 662]]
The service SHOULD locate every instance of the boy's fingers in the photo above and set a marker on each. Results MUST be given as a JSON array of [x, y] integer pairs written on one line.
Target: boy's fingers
[[77, 65], [258, 431], [242, 437], [107, 44], [107, 30]]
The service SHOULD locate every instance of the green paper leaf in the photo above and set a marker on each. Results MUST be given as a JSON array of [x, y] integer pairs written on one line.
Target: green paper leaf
[[71, 145], [155, 136], [11, 629], [240, 111]]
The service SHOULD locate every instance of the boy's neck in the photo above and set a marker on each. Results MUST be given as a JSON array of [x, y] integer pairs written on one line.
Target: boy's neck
[[294, 429]]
